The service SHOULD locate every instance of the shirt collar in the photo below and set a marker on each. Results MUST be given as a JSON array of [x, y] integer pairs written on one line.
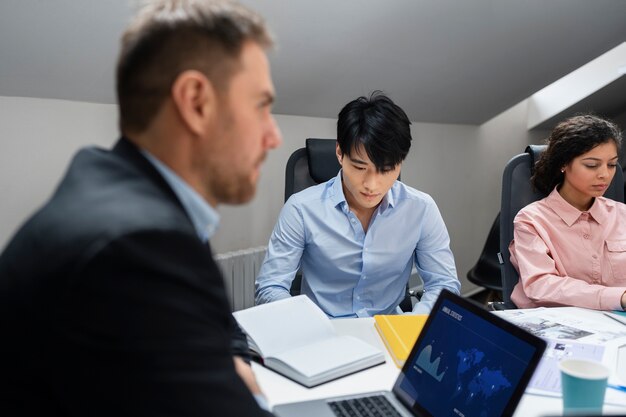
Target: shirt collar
[[205, 218], [570, 214], [338, 197]]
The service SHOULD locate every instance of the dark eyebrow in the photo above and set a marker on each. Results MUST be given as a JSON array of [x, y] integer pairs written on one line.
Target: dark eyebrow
[[357, 161], [598, 159]]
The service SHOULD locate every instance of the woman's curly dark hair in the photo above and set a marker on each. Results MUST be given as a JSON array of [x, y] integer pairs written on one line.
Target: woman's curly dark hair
[[570, 139]]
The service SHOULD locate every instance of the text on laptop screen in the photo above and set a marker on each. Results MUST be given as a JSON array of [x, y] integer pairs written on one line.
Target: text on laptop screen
[[472, 366]]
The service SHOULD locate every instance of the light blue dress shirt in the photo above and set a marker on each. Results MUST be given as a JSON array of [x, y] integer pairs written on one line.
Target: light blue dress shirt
[[205, 218], [347, 272]]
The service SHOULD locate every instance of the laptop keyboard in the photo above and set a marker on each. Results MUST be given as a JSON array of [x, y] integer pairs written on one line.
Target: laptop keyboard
[[374, 406]]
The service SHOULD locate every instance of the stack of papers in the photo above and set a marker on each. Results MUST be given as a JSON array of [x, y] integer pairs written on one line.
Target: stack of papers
[[619, 316], [571, 336]]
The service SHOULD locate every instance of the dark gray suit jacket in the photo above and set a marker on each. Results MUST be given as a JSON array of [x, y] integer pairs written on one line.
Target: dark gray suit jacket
[[110, 305]]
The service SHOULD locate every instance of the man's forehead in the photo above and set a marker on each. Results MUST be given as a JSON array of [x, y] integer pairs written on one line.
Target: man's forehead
[[359, 155], [254, 69]]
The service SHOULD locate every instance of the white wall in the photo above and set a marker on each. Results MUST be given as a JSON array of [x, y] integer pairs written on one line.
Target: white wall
[[459, 165], [441, 164], [37, 139], [251, 225]]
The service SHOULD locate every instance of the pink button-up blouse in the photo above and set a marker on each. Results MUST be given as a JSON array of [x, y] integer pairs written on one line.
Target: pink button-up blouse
[[568, 257]]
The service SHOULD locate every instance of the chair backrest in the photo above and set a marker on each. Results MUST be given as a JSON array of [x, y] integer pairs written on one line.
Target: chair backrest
[[311, 165], [517, 193], [314, 164]]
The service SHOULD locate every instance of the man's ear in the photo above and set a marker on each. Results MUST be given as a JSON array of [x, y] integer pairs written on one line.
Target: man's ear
[[339, 153], [194, 98]]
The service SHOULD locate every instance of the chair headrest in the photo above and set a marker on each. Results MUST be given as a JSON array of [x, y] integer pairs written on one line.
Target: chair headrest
[[323, 164], [535, 152]]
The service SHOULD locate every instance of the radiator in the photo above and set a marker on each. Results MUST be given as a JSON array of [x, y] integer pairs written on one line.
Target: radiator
[[240, 269]]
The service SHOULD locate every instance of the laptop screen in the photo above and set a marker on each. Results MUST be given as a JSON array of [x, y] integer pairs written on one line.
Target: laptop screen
[[467, 362]]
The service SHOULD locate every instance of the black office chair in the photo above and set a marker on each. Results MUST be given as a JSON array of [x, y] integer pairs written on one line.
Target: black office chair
[[486, 272], [517, 192], [314, 164]]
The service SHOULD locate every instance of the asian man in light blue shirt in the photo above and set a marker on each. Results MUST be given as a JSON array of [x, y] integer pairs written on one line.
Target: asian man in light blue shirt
[[357, 236]]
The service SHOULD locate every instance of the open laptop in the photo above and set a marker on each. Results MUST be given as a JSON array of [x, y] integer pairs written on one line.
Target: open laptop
[[465, 362]]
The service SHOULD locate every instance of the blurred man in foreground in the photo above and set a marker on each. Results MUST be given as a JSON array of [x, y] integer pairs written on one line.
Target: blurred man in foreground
[[111, 302]]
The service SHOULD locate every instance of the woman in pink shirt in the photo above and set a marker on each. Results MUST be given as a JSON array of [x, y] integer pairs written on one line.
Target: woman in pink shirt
[[570, 247]]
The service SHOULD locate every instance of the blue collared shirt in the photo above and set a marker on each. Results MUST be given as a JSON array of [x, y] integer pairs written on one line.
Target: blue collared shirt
[[204, 218], [347, 272]]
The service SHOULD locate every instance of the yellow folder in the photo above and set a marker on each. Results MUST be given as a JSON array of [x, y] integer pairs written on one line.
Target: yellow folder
[[399, 333]]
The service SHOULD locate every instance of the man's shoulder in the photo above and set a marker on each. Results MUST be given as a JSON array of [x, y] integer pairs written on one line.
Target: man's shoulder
[[108, 190], [406, 193], [101, 198], [319, 193]]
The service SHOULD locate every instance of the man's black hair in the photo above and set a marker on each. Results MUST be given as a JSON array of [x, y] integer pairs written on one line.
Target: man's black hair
[[378, 124]]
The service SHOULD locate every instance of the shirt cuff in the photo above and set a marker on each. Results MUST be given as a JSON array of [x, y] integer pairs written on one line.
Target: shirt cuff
[[611, 298], [422, 307], [262, 402]]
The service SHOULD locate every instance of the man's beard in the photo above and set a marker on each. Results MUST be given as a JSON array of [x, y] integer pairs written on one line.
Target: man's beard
[[235, 191]]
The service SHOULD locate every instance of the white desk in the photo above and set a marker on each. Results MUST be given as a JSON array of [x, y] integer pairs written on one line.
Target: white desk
[[279, 389]]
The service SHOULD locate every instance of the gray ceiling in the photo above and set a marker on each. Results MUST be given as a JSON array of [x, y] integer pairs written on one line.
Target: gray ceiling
[[443, 61]]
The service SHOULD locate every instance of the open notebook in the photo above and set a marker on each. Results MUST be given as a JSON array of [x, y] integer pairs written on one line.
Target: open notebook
[[296, 339], [465, 362]]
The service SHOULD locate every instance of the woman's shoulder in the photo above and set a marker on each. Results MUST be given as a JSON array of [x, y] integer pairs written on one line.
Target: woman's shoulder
[[610, 202], [536, 209], [612, 206]]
